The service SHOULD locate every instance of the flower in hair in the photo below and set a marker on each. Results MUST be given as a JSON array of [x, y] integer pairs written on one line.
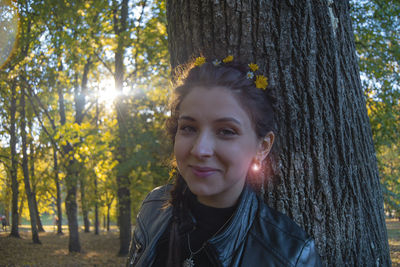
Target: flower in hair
[[261, 82], [200, 61], [216, 62], [228, 59], [250, 75], [253, 67]]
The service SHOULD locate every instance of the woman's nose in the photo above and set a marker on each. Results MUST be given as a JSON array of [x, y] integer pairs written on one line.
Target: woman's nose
[[203, 146]]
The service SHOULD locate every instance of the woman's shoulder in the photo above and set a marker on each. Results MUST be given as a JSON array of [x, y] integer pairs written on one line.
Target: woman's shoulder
[[283, 238], [161, 193], [155, 204], [278, 222]]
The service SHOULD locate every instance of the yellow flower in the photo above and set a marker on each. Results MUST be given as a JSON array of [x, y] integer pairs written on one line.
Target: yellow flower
[[253, 66], [261, 82], [200, 61], [172, 173], [228, 59]]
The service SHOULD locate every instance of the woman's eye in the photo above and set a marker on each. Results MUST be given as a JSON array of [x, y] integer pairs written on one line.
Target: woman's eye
[[185, 129], [227, 132]]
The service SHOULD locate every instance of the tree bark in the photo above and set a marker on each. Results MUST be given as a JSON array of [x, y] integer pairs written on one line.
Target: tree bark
[[123, 192], [25, 169], [35, 206], [32, 177], [58, 189], [85, 212], [96, 208], [21, 207], [323, 171], [14, 164], [108, 217], [71, 184]]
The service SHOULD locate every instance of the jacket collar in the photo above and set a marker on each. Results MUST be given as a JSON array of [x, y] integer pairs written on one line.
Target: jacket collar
[[226, 243]]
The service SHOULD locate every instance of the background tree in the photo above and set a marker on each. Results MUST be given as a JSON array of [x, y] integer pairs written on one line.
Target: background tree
[[324, 170], [377, 38]]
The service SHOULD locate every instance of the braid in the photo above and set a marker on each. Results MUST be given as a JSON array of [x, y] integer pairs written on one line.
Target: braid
[[179, 208]]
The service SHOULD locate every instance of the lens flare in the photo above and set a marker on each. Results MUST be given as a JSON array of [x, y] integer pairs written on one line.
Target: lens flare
[[9, 25], [255, 167]]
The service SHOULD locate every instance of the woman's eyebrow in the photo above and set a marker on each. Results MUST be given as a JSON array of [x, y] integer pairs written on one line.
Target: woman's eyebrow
[[229, 119], [224, 119], [187, 118]]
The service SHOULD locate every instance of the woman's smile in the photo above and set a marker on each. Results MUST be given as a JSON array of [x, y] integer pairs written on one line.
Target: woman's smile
[[203, 171]]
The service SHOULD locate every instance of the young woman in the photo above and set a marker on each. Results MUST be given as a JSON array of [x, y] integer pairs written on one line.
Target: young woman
[[222, 128]]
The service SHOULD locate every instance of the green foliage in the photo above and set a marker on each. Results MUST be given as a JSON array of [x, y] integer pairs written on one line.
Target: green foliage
[[377, 36], [57, 39]]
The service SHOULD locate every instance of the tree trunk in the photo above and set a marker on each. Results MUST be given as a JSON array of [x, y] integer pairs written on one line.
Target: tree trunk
[[21, 207], [108, 217], [32, 176], [324, 170], [85, 212], [124, 196], [35, 206], [96, 208], [72, 208], [14, 164], [58, 189], [25, 169], [71, 184]]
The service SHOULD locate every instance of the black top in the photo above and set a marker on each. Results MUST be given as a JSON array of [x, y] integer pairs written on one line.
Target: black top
[[208, 222]]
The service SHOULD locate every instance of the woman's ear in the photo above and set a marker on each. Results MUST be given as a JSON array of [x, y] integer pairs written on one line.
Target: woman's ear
[[266, 145]]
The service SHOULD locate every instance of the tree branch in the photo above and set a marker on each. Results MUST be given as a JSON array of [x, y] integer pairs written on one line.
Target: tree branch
[[105, 64]]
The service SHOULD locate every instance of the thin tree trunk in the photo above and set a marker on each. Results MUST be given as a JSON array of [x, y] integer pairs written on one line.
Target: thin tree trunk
[[324, 170], [96, 205], [21, 207], [70, 181], [25, 169], [58, 189], [32, 177], [72, 209], [123, 193], [14, 164], [85, 212], [35, 206], [96, 208], [108, 217]]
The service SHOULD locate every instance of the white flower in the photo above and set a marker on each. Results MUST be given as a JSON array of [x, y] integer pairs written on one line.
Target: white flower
[[216, 62], [250, 75]]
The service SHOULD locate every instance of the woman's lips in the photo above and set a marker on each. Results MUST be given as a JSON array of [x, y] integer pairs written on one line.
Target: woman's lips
[[202, 171]]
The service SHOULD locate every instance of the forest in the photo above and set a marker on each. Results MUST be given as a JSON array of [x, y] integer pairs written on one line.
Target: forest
[[84, 95]]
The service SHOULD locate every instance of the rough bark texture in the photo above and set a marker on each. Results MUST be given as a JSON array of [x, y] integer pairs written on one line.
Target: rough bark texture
[[123, 193], [25, 169], [14, 164], [324, 171]]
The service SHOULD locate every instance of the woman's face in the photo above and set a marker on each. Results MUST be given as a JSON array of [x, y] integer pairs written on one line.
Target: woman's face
[[215, 145]]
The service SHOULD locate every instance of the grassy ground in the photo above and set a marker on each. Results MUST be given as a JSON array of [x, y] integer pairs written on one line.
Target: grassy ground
[[100, 250], [393, 229]]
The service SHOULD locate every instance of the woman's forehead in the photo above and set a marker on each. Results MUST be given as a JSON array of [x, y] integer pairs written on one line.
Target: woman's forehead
[[216, 103]]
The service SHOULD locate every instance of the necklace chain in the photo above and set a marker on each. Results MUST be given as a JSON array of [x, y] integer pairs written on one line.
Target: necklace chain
[[189, 261]]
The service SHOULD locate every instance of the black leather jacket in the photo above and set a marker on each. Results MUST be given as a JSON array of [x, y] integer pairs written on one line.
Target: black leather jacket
[[256, 236]]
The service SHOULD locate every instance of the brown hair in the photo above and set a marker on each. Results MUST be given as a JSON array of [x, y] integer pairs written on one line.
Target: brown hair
[[258, 104]]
